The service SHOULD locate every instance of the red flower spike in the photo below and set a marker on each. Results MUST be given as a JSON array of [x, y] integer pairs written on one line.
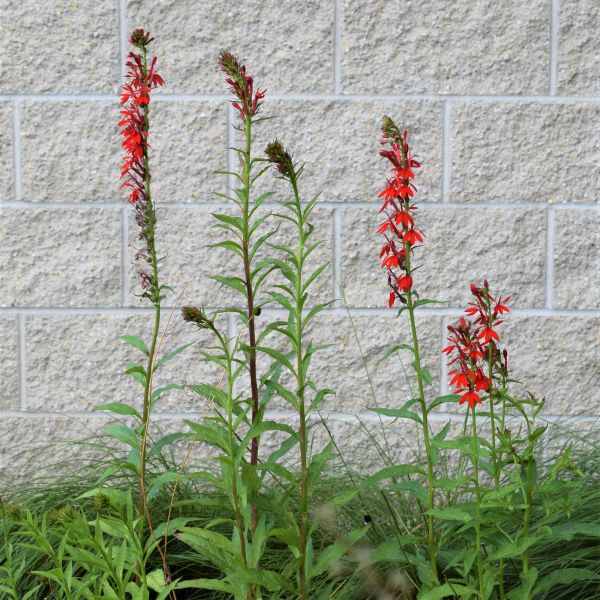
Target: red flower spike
[[473, 346], [398, 228], [135, 98]]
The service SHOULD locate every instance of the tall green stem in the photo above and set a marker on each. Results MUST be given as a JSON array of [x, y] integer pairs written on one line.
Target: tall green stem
[[303, 441], [425, 421], [155, 296], [246, 182], [478, 505]]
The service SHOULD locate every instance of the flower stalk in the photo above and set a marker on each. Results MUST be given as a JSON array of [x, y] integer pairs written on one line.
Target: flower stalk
[[136, 175], [282, 159], [401, 237]]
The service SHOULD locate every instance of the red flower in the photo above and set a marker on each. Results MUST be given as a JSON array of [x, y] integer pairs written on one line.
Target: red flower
[[404, 283], [471, 397], [412, 237]]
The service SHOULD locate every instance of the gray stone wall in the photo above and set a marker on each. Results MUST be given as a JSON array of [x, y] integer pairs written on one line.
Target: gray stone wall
[[502, 100]]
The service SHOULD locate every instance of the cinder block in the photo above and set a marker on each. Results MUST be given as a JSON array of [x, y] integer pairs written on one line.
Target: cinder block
[[59, 47], [525, 152], [188, 144], [577, 259], [462, 245], [578, 48], [60, 257], [287, 46], [9, 363], [557, 358], [339, 143], [413, 47], [77, 362], [71, 151], [6, 152]]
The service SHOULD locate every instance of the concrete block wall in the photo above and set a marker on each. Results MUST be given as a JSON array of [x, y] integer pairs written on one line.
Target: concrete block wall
[[502, 100]]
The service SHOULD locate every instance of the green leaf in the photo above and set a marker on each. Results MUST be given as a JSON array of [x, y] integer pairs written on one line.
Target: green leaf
[[235, 283], [158, 392], [450, 513], [136, 342], [270, 580], [158, 482], [170, 355], [569, 530], [165, 441], [512, 549], [236, 222], [335, 551], [122, 433], [453, 398], [207, 584], [426, 375], [119, 408], [278, 356], [137, 372], [210, 392], [391, 473], [403, 412], [447, 591], [395, 349]]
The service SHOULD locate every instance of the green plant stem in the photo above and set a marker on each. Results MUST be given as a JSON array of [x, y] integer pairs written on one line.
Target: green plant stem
[[155, 296], [234, 492], [425, 422], [495, 460], [246, 182], [528, 498], [303, 438], [478, 505]]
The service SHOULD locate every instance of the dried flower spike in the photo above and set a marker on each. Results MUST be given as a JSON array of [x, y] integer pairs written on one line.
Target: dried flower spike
[[282, 159], [242, 85]]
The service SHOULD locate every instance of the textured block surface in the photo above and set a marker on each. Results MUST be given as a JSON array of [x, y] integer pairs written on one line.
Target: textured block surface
[[6, 152], [339, 143], [355, 367], [502, 106], [394, 46], [577, 259], [60, 257], [84, 366], [511, 152], [188, 146], [579, 48], [9, 363], [557, 358], [59, 47], [70, 151], [287, 45], [461, 245]]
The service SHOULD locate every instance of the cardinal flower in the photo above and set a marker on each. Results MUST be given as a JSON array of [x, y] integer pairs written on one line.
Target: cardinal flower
[[399, 229], [135, 171]]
